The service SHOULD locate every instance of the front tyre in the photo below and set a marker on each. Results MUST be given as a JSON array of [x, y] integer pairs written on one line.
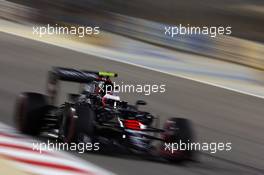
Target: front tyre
[[178, 131]]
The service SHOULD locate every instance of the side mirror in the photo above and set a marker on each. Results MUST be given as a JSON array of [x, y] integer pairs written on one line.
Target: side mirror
[[140, 102]]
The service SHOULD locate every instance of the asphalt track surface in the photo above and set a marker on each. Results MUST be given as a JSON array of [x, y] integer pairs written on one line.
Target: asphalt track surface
[[218, 115]]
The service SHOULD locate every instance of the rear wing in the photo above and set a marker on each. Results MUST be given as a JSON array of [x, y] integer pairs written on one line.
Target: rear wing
[[78, 76], [72, 75]]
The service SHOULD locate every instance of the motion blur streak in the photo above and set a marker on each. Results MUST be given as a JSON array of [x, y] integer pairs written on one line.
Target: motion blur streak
[[219, 115], [18, 150]]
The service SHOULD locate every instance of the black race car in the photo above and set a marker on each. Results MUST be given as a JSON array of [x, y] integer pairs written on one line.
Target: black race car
[[97, 115]]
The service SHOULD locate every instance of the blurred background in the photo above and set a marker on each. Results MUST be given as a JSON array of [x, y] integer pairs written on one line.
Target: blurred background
[[133, 32], [245, 16], [145, 20]]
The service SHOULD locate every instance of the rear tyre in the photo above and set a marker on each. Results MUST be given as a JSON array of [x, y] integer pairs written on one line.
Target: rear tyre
[[85, 123], [179, 131], [29, 113], [78, 124]]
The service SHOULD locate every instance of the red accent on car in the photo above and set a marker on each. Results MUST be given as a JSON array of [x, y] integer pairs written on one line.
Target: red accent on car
[[132, 124]]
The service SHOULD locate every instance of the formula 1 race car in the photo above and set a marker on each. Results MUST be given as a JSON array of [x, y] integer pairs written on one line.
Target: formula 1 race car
[[96, 116]]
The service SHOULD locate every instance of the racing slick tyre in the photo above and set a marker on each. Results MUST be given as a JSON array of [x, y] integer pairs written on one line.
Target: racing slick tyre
[[30, 111], [68, 124], [178, 134], [85, 123], [77, 124]]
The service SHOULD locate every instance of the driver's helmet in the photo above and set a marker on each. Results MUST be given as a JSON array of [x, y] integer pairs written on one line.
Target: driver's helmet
[[100, 88], [111, 100]]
